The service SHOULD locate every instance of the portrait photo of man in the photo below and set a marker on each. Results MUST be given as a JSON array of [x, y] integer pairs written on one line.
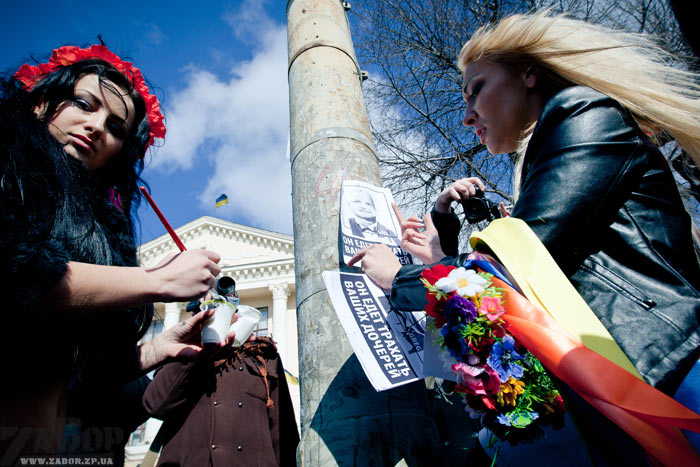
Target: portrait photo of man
[[363, 221]]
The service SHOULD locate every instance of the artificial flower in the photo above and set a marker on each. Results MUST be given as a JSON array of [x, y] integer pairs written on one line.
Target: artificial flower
[[454, 342], [510, 390], [504, 359], [434, 309], [477, 379], [461, 310], [554, 405], [432, 275], [491, 307], [501, 383], [473, 413], [466, 282], [517, 419]]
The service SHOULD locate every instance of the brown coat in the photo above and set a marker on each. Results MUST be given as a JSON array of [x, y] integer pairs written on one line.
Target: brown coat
[[226, 412]]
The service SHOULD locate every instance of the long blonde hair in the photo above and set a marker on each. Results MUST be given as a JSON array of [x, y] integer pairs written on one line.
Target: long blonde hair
[[630, 68]]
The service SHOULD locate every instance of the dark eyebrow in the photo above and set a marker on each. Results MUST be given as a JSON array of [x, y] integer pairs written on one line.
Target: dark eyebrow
[[103, 104], [119, 119], [464, 90]]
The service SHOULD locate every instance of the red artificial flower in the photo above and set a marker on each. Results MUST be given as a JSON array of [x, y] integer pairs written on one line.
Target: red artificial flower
[[435, 308], [481, 346], [498, 331], [558, 404], [437, 272], [488, 402], [29, 75], [477, 379]]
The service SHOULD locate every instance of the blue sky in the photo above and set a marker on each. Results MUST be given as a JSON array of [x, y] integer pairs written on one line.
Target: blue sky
[[220, 70]]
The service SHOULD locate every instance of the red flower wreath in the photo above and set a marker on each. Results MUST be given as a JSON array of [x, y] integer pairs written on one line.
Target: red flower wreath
[[29, 75]]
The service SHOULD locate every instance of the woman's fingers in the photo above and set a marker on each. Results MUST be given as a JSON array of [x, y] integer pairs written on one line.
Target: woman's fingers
[[398, 213], [413, 235], [503, 210], [428, 222], [358, 257]]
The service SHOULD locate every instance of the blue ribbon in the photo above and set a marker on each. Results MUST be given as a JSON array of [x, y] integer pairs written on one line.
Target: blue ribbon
[[488, 267]]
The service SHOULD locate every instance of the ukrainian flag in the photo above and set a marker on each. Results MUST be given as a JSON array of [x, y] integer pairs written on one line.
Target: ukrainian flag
[[221, 200], [291, 379]]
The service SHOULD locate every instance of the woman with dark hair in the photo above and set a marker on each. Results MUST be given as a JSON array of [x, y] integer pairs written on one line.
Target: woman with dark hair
[[73, 134]]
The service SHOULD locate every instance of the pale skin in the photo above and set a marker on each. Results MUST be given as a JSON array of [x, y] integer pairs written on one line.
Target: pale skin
[[92, 127], [500, 104], [381, 264]]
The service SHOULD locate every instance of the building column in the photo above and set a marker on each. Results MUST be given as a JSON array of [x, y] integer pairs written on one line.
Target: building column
[[280, 292], [152, 427], [172, 315]]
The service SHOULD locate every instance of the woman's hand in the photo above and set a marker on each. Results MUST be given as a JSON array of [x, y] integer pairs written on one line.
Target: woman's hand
[[460, 190], [421, 239], [182, 341], [503, 210], [379, 263], [186, 275]]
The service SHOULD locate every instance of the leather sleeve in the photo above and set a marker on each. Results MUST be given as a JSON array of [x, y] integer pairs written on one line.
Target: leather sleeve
[[580, 157], [448, 227], [407, 290]]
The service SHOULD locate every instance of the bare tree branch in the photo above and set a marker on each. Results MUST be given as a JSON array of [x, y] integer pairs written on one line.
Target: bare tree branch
[[414, 91]]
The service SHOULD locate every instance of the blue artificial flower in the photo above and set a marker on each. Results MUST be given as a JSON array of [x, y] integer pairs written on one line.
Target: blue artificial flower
[[459, 309], [518, 420], [503, 358], [455, 343]]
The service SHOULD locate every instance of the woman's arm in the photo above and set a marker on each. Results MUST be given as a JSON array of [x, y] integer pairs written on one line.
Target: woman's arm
[[91, 287], [446, 222], [420, 239], [181, 342], [382, 266]]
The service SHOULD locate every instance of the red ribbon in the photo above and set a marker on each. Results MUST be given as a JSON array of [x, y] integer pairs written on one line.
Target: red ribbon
[[648, 415]]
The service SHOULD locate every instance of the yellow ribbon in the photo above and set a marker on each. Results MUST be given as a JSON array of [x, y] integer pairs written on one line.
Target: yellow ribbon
[[543, 283]]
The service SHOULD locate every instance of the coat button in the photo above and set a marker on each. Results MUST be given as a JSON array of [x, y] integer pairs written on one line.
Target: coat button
[[213, 446], [216, 402], [240, 404], [240, 448], [240, 368]]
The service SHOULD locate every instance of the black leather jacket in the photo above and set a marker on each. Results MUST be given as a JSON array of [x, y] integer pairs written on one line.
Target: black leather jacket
[[600, 196]]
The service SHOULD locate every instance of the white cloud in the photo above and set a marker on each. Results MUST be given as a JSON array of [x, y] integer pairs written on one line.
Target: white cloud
[[240, 126], [249, 19]]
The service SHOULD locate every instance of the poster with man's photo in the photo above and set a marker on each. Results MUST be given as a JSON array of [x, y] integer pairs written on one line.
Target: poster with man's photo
[[367, 218]]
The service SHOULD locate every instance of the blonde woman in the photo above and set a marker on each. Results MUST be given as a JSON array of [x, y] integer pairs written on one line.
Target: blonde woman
[[578, 102]]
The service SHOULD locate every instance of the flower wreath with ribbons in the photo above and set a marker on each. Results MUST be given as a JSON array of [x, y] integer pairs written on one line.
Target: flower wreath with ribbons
[[30, 75], [502, 383]]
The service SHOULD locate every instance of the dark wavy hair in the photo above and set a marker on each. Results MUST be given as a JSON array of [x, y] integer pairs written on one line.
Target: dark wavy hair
[[123, 172]]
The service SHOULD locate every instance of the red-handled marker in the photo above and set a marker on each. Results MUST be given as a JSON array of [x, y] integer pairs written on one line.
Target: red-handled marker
[[163, 220]]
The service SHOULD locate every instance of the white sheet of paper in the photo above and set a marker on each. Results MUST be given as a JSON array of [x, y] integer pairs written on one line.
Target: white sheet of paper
[[362, 308]]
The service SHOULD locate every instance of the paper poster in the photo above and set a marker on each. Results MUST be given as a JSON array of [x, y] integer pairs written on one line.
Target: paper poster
[[366, 218], [389, 347]]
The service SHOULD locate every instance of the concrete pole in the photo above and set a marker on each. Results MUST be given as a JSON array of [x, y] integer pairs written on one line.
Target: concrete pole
[[344, 421]]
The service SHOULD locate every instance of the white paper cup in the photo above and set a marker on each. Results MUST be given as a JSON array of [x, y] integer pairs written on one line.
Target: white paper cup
[[216, 328], [248, 318]]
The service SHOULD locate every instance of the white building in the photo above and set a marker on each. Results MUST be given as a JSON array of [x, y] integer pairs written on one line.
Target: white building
[[262, 264]]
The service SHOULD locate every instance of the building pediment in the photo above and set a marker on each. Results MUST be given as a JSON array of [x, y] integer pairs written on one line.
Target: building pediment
[[240, 246]]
